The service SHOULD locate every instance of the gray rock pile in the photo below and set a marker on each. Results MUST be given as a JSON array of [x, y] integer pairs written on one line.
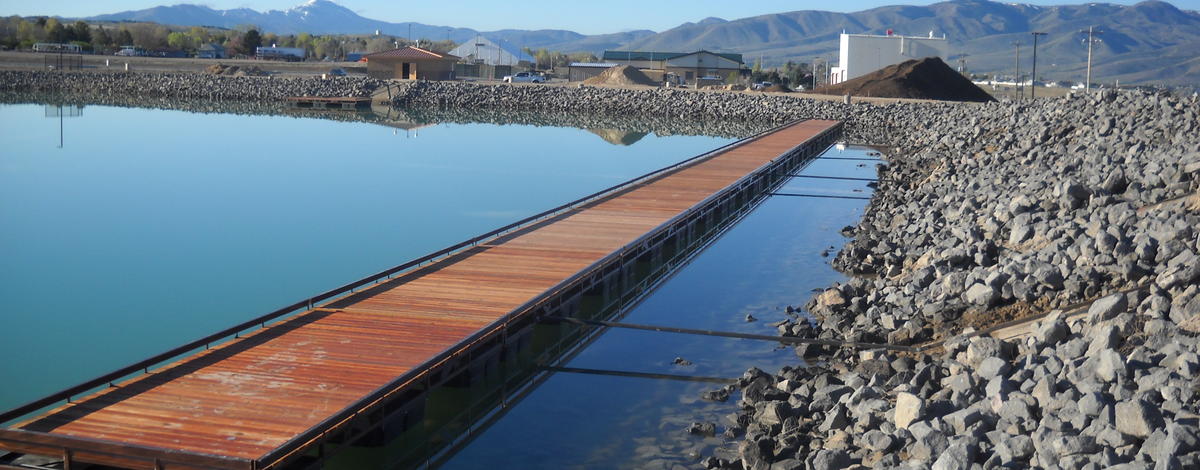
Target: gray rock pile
[[1028, 207], [87, 85], [1073, 395], [1085, 208], [620, 102]]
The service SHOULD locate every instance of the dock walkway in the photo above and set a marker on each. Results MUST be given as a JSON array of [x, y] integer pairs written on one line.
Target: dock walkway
[[268, 396]]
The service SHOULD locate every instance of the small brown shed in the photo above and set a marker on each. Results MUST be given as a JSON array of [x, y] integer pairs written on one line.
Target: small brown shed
[[410, 63]]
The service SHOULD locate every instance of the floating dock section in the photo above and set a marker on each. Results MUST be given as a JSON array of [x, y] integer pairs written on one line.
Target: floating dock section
[[322, 103], [280, 390]]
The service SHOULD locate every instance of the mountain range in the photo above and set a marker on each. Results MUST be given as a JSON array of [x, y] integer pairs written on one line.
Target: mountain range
[[1150, 42]]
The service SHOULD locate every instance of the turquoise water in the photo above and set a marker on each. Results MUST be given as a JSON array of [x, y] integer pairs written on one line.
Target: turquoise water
[[768, 261], [149, 228]]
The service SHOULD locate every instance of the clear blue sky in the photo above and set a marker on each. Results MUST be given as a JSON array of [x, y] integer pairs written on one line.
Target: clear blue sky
[[593, 17]]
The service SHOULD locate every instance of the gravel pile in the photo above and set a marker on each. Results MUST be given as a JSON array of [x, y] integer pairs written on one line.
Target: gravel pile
[[927, 78], [100, 86], [1005, 211], [621, 75]]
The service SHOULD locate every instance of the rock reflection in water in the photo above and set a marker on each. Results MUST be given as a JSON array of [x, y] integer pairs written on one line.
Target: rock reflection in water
[[618, 130]]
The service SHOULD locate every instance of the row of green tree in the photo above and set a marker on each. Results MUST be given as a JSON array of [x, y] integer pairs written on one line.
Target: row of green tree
[[793, 74], [546, 59], [22, 33]]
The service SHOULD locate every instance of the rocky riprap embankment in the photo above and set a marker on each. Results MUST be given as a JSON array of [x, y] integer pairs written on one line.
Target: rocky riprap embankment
[[992, 212], [865, 122], [618, 101], [184, 86]]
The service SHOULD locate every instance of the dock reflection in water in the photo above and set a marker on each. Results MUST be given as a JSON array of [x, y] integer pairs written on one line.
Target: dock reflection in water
[[596, 398]]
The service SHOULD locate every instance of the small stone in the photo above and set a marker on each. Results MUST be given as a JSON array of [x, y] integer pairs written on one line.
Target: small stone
[[1110, 366], [831, 298], [992, 367], [909, 408], [830, 460], [1019, 447], [959, 456], [877, 440], [982, 294], [835, 419], [1051, 330], [773, 412], [1137, 418], [703, 429], [1107, 308]]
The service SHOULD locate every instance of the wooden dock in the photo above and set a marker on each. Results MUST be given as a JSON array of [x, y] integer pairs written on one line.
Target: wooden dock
[[267, 393], [329, 103]]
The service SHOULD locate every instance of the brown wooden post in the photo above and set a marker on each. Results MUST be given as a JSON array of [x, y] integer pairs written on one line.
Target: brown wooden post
[[66, 459]]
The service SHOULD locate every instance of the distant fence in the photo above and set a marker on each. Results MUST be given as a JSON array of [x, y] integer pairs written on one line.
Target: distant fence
[[63, 61]]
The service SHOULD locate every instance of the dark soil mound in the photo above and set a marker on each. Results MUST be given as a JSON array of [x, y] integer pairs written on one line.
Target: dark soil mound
[[621, 75], [928, 78], [777, 88]]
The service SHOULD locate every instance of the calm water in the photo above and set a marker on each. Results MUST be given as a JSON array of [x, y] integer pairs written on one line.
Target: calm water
[[150, 228], [770, 260]]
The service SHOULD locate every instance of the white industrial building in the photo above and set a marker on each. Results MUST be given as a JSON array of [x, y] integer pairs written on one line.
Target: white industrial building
[[481, 50], [862, 54]]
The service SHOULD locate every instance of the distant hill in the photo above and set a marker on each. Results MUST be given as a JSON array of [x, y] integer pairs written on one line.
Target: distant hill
[[1150, 42], [313, 16]]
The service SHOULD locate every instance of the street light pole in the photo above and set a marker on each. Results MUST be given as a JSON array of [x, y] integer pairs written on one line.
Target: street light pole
[[1033, 79]]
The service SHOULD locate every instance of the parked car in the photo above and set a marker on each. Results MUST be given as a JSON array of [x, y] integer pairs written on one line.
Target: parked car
[[761, 85], [527, 77], [338, 72]]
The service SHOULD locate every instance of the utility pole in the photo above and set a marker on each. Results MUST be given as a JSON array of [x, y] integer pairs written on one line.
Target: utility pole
[[814, 72], [1091, 39], [1017, 71], [1033, 79]]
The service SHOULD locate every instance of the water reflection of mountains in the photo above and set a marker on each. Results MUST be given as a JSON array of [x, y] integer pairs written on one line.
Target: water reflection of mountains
[[617, 130]]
